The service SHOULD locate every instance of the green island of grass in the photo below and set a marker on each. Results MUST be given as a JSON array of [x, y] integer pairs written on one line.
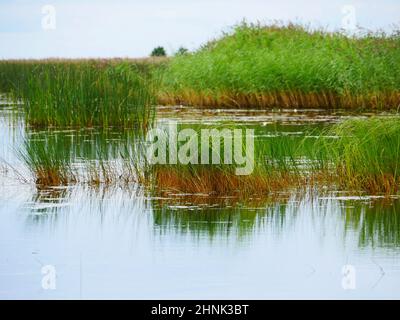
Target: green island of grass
[[288, 66]]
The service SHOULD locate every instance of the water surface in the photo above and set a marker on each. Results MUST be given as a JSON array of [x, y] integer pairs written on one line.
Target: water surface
[[122, 242]]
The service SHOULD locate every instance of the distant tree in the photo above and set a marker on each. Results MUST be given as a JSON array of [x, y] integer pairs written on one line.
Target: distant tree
[[158, 52], [182, 51]]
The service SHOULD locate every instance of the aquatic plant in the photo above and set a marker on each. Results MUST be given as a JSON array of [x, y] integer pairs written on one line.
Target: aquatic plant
[[49, 164], [82, 93], [288, 66], [276, 164], [362, 155], [94, 157], [365, 153]]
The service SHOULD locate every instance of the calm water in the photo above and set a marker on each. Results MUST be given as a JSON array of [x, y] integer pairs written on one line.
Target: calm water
[[122, 243]]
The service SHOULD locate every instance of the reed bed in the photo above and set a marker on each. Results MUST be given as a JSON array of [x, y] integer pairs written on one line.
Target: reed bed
[[361, 155], [288, 66], [217, 182], [93, 157], [98, 157], [283, 99], [366, 154], [82, 93]]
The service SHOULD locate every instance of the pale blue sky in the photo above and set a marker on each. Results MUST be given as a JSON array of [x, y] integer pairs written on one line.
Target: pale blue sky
[[121, 28]]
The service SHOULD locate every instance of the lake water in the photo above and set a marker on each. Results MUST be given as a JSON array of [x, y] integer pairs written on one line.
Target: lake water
[[119, 242]]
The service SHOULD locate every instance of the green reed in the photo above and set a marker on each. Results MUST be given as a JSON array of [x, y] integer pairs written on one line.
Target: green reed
[[358, 155], [81, 93], [365, 153], [62, 157], [50, 163], [288, 66]]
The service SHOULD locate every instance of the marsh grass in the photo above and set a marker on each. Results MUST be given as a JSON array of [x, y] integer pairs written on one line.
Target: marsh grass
[[361, 155], [288, 66], [82, 93], [50, 166], [94, 157], [254, 65], [113, 157], [366, 154]]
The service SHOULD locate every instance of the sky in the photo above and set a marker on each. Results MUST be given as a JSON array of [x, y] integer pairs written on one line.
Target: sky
[[122, 28]]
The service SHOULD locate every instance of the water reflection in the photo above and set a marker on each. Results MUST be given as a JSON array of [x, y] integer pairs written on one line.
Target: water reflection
[[137, 243], [200, 216], [377, 222], [373, 222]]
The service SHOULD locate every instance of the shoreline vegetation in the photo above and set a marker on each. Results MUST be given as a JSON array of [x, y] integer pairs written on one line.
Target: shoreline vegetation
[[82, 93], [251, 66], [288, 66], [362, 155]]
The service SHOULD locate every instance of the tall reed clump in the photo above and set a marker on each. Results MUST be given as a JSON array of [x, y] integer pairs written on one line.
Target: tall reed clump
[[14, 77], [358, 155], [94, 157], [361, 155], [49, 163], [275, 165], [288, 66], [365, 155], [82, 93]]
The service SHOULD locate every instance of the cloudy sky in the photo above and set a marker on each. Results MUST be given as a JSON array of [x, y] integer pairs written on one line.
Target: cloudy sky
[[122, 28]]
